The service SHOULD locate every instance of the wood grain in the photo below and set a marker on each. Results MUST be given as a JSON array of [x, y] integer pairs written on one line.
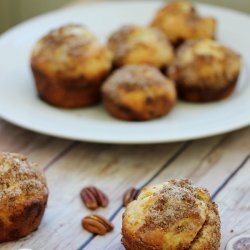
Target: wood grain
[[212, 165], [234, 204], [220, 163], [112, 168], [39, 148]]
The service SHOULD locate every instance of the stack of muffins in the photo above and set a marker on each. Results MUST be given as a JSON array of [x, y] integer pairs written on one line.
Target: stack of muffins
[[142, 70]]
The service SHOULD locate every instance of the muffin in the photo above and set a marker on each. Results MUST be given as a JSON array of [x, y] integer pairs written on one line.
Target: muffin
[[173, 215], [138, 92], [69, 66], [180, 21], [23, 196], [140, 45], [205, 70]]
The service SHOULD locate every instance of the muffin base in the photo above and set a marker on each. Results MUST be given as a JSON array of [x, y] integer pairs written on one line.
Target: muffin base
[[23, 221], [67, 92], [208, 238], [152, 109], [204, 94], [130, 242]]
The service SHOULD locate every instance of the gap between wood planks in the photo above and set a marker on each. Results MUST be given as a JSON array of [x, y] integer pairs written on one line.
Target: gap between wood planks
[[215, 193], [180, 151], [223, 185], [44, 150], [79, 163], [61, 154], [151, 179], [182, 148], [234, 206], [61, 151]]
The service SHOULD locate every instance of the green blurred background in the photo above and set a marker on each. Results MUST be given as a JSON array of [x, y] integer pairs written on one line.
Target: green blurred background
[[15, 11]]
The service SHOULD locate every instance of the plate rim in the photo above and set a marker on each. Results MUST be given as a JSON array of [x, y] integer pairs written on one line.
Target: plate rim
[[127, 142], [115, 140]]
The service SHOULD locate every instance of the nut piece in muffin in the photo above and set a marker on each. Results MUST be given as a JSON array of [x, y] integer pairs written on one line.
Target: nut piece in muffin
[[180, 21], [205, 70], [138, 92], [23, 196], [174, 215], [69, 65], [140, 45]]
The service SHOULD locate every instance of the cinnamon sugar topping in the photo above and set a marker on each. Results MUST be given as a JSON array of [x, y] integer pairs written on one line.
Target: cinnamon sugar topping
[[19, 177], [173, 204], [129, 37], [172, 215], [71, 39], [135, 77]]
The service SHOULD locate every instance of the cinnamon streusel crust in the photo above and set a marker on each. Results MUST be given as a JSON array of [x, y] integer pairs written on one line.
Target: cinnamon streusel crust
[[180, 21], [69, 65], [173, 215], [133, 44], [23, 196], [138, 92], [205, 70]]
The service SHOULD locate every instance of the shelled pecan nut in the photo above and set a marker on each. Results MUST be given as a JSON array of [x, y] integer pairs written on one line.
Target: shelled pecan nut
[[97, 224], [130, 195], [93, 198]]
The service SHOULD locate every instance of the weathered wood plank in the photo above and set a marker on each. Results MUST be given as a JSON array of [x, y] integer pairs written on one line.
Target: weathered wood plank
[[112, 168], [115, 168], [234, 205], [208, 168], [208, 162], [39, 148]]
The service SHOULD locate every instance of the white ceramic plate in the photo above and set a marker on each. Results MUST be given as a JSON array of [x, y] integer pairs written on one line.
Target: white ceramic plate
[[19, 103]]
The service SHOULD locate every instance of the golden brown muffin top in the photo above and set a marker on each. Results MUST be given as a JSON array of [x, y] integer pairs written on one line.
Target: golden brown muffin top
[[72, 38], [73, 51], [184, 16], [178, 7], [135, 77], [209, 236], [133, 44], [174, 203], [19, 179], [205, 62], [172, 215]]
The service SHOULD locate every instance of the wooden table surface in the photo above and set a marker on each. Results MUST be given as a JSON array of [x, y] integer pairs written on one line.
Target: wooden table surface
[[220, 163]]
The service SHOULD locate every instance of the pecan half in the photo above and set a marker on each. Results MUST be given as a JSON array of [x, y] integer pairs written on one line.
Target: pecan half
[[130, 195], [93, 198], [97, 224]]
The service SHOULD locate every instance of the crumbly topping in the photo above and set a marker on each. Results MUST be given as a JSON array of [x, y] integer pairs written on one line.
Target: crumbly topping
[[135, 77], [119, 41], [18, 177], [67, 46], [70, 38], [179, 214], [193, 49], [190, 23], [179, 7], [174, 202], [205, 62], [129, 37], [210, 230], [71, 52]]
